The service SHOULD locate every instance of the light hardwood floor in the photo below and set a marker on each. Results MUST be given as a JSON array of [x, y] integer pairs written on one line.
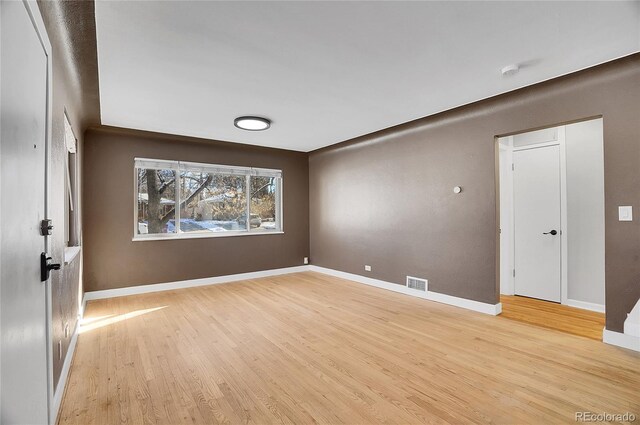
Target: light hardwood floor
[[550, 315], [309, 348]]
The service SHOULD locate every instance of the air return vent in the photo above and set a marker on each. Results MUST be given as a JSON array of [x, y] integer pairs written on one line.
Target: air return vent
[[417, 284]]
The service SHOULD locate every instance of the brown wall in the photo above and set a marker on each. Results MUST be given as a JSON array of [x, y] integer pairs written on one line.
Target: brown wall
[[113, 260], [386, 199], [75, 87]]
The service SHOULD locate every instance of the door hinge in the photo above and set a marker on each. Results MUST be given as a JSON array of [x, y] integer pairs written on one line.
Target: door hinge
[[513, 167], [514, 272]]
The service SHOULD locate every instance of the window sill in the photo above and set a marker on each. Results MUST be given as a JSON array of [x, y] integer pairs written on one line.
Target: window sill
[[70, 253], [180, 236]]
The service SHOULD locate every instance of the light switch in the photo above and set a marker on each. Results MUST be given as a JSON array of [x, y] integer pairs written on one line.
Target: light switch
[[625, 213]]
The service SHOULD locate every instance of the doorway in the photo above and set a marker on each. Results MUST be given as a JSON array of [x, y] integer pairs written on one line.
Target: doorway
[[537, 230], [551, 203], [25, 96]]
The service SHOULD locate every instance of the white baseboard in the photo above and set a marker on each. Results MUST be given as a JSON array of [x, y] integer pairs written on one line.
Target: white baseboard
[[621, 340], [157, 287], [492, 309], [632, 322], [585, 305], [64, 373], [632, 329]]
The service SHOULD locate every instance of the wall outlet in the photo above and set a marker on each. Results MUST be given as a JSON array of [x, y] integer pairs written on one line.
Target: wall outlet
[[60, 349], [367, 268], [306, 260]]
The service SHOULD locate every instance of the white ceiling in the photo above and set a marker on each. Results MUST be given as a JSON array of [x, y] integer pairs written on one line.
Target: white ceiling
[[325, 72]]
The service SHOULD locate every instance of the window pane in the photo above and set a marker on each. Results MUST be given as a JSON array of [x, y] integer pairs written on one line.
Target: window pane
[[212, 202], [263, 204], [156, 201]]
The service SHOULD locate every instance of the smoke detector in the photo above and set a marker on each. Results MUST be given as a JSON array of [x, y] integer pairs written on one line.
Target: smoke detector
[[509, 70]]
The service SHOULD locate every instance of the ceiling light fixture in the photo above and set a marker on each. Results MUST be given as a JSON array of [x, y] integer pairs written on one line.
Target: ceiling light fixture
[[252, 123]]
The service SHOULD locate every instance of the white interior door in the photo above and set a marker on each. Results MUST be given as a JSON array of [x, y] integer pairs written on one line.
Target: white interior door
[[23, 136], [537, 219]]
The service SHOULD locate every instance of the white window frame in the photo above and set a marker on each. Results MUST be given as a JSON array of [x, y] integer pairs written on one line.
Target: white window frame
[[71, 186], [179, 166]]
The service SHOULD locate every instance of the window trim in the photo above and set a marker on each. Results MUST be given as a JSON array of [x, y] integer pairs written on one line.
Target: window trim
[[177, 167], [179, 236], [72, 186]]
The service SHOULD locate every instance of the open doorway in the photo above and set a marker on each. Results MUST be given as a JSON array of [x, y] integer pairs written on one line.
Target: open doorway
[[551, 203]]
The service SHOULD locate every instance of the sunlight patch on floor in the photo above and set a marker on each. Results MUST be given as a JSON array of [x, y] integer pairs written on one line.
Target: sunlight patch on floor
[[92, 323]]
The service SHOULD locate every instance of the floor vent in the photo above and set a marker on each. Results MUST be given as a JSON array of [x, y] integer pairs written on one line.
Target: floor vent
[[417, 284]]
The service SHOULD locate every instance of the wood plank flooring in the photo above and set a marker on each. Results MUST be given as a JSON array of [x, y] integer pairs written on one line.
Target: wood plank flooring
[[550, 315], [309, 348]]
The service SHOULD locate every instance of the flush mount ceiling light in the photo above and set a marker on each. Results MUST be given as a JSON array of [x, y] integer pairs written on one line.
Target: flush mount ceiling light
[[252, 123]]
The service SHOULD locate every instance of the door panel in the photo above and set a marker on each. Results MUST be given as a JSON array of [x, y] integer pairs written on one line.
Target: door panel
[[537, 203], [23, 309]]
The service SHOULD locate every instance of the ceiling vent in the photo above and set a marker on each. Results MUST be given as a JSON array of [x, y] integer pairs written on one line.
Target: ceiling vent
[[417, 284]]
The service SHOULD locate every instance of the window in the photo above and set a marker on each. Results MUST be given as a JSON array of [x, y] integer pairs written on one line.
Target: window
[[177, 199], [71, 186]]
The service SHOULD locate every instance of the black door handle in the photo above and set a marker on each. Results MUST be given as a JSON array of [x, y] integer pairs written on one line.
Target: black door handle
[[46, 265], [551, 232]]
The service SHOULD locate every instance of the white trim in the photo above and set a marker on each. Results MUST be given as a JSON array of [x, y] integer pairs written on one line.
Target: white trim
[[506, 230], [70, 253], [492, 309], [247, 213], [585, 305], [632, 329], [82, 307], [536, 145], [509, 287], [66, 368], [177, 206], [136, 199], [632, 322], [201, 167], [621, 340], [564, 246], [157, 287], [180, 166], [198, 235]]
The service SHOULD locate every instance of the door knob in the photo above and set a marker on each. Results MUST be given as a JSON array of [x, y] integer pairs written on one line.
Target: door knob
[[551, 232]]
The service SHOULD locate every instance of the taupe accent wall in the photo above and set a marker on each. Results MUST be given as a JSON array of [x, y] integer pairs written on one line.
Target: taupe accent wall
[[113, 260], [71, 30], [386, 199]]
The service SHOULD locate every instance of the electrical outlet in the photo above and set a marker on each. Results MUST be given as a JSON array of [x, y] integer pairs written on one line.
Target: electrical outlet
[[306, 260], [367, 268], [60, 349]]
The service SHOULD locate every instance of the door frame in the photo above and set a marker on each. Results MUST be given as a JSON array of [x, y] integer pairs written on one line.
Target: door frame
[[38, 23], [505, 152], [35, 16]]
